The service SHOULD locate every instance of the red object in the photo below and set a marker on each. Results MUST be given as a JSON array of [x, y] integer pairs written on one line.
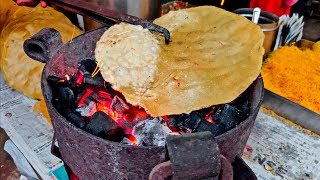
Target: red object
[[83, 98], [80, 77], [277, 7], [72, 176]]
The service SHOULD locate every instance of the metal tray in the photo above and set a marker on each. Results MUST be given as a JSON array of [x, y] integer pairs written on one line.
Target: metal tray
[[292, 111]]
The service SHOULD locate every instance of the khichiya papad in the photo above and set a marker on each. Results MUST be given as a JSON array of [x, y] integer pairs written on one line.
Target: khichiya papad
[[213, 57]]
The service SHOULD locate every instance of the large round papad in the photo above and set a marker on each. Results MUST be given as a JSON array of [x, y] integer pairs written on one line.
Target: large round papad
[[21, 72], [213, 56]]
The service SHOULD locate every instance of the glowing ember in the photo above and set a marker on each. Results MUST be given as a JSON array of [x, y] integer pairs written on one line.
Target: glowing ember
[[222, 3], [114, 106], [209, 116], [67, 77], [91, 104]]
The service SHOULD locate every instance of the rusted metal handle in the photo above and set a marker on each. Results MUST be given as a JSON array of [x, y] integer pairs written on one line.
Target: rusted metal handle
[[43, 45], [226, 172], [161, 171], [164, 170], [192, 156]]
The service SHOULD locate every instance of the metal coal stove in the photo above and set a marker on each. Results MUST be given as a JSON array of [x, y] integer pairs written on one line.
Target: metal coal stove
[[191, 156]]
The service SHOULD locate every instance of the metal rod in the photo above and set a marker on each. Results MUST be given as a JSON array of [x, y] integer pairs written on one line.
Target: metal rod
[[106, 16]]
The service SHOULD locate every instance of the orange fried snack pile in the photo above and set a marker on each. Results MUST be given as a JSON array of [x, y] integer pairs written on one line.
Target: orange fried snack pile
[[295, 74]]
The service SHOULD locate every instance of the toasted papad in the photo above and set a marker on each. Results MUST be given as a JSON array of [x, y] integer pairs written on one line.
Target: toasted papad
[[213, 56]]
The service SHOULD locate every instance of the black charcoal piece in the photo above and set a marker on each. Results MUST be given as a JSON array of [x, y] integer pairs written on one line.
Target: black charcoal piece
[[203, 112], [193, 122], [184, 122], [87, 65], [243, 105], [65, 95], [244, 109], [103, 126], [56, 83], [215, 129], [74, 118], [177, 121], [53, 79], [79, 96], [97, 81], [227, 116], [64, 92]]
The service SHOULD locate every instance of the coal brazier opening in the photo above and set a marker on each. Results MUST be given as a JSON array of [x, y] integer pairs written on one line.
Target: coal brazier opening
[[89, 103], [91, 157]]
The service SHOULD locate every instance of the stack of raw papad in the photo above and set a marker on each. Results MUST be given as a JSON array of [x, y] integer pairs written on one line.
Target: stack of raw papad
[[18, 24]]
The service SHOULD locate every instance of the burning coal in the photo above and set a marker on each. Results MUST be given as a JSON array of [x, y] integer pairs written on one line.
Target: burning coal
[[89, 103]]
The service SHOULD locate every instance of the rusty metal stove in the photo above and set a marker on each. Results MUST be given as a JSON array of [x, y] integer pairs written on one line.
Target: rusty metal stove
[[91, 157]]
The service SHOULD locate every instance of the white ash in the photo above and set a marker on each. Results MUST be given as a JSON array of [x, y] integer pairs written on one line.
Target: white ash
[[152, 132], [87, 111]]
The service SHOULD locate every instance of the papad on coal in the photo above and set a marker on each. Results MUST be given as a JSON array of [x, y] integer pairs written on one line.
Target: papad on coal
[[213, 57]]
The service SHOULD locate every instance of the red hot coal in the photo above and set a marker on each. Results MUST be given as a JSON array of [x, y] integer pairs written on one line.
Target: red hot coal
[[73, 100], [89, 103]]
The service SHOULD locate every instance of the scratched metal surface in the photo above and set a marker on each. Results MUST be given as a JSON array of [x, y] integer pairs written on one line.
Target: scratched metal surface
[[276, 150], [293, 111]]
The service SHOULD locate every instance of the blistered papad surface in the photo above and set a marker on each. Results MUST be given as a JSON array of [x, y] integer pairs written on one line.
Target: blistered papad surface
[[213, 56]]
